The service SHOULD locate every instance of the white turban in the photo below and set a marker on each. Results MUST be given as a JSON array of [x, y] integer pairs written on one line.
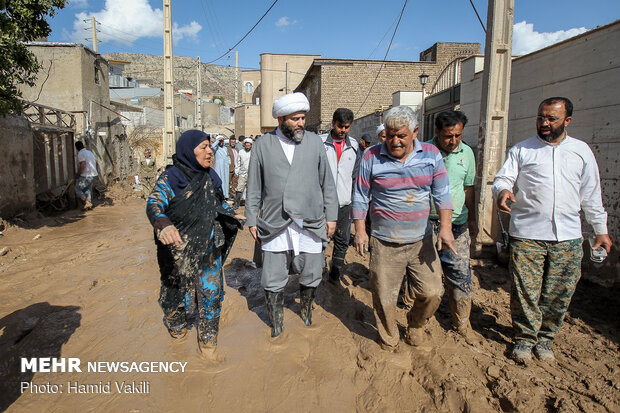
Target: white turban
[[291, 103], [248, 140], [380, 128]]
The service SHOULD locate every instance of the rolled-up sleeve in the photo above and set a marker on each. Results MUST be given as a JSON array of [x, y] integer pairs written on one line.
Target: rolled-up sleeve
[[359, 205], [507, 175], [440, 188]]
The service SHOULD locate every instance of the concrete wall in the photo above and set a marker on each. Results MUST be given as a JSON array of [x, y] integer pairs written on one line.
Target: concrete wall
[[334, 83], [253, 77], [273, 78], [366, 124], [247, 120], [16, 166], [586, 69]]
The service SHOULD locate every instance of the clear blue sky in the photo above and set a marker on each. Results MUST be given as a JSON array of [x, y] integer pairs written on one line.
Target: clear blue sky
[[331, 28]]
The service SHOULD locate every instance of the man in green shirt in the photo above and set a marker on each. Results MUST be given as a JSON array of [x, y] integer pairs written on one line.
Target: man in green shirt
[[461, 167]]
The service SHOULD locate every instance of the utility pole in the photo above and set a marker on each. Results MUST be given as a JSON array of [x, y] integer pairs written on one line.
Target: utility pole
[[286, 79], [94, 34], [493, 130], [236, 77], [199, 98], [169, 136]]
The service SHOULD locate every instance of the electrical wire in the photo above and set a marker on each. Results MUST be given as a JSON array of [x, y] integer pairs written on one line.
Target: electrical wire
[[247, 34], [384, 57], [477, 15], [381, 41]]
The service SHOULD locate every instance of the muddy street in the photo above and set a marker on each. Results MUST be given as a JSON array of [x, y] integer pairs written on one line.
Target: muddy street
[[85, 285]]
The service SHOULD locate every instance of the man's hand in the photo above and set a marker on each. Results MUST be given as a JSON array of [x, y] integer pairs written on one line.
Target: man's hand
[[503, 198], [602, 240], [254, 233], [330, 226], [445, 240], [169, 235], [361, 237]]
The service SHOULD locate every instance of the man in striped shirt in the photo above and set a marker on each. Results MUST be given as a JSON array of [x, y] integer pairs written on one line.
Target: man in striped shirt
[[401, 175]]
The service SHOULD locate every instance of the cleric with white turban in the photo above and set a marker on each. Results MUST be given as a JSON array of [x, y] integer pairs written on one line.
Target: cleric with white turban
[[381, 133], [290, 110]]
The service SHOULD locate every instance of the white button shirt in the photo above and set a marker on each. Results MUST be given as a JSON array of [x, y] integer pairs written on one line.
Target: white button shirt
[[552, 183], [293, 237]]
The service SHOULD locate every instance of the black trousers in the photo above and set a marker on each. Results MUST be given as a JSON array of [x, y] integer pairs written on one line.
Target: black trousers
[[341, 236]]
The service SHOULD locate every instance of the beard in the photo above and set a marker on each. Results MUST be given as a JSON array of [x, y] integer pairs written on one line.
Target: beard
[[555, 133], [291, 134]]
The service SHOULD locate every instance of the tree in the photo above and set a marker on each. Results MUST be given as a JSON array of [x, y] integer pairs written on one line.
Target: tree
[[21, 21]]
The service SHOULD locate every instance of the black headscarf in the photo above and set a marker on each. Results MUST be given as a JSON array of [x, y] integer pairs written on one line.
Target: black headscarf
[[197, 210], [185, 164]]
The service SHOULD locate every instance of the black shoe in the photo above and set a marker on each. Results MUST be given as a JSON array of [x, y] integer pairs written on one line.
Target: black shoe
[[306, 298], [176, 323], [207, 332], [275, 311]]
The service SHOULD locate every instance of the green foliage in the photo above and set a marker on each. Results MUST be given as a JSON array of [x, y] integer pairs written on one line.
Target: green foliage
[[220, 98], [21, 21]]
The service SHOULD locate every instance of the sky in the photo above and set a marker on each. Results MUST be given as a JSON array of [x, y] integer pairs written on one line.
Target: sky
[[345, 29]]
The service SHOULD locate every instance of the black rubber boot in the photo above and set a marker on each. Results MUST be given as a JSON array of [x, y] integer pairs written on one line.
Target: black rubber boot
[[335, 271], [177, 323], [275, 310], [207, 332], [306, 298]]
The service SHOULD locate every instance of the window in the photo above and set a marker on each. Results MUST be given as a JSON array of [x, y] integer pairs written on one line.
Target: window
[[249, 87]]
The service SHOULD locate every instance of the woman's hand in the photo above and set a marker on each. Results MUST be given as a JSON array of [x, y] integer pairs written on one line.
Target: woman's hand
[[169, 235], [240, 217]]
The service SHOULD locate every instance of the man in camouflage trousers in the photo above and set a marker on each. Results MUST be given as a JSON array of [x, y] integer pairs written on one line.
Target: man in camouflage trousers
[[554, 176]]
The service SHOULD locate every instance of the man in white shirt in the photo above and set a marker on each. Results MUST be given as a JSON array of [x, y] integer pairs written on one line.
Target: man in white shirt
[[291, 206], [553, 177], [86, 174]]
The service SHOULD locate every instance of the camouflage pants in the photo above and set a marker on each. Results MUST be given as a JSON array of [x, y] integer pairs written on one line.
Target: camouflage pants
[[544, 277]]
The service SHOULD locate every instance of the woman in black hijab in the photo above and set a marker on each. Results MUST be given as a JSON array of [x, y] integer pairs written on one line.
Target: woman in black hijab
[[194, 231]]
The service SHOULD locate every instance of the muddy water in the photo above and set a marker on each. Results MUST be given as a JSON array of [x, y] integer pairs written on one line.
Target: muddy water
[[88, 288]]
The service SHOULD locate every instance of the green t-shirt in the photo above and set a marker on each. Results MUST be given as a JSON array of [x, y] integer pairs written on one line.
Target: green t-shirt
[[461, 167]]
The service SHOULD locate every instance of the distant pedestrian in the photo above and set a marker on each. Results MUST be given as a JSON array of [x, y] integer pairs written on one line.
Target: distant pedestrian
[[233, 154], [222, 162], [291, 207], [343, 156], [147, 172], [402, 175], [553, 177], [85, 176], [381, 133], [241, 169], [365, 142]]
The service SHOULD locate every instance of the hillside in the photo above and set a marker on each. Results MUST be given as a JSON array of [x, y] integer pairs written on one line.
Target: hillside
[[149, 69]]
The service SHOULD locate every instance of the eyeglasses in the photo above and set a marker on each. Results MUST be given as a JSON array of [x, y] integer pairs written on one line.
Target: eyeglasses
[[551, 119]]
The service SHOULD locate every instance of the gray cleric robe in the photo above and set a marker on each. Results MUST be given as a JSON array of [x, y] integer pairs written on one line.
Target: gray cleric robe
[[278, 191]]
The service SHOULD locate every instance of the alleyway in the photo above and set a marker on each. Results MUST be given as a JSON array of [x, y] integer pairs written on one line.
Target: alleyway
[[87, 287]]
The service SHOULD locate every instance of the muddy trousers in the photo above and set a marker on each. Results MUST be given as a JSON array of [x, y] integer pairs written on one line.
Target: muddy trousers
[[544, 275], [389, 263], [278, 265], [83, 187]]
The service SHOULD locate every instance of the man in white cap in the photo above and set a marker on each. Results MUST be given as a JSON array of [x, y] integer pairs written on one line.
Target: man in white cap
[[241, 170], [381, 133], [290, 183]]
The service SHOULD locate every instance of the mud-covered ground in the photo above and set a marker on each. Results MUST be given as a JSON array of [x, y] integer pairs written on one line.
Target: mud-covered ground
[[85, 285]]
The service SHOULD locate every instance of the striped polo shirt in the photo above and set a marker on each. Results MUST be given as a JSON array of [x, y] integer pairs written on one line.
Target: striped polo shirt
[[399, 193]]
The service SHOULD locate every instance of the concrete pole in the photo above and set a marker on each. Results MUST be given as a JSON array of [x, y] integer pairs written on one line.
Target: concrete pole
[[169, 136], [93, 28], [236, 77], [286, 80], [493, 131], [199, 97]]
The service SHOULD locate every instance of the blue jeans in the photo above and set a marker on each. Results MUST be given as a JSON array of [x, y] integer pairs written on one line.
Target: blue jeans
[[83, 187], [456, 269]]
